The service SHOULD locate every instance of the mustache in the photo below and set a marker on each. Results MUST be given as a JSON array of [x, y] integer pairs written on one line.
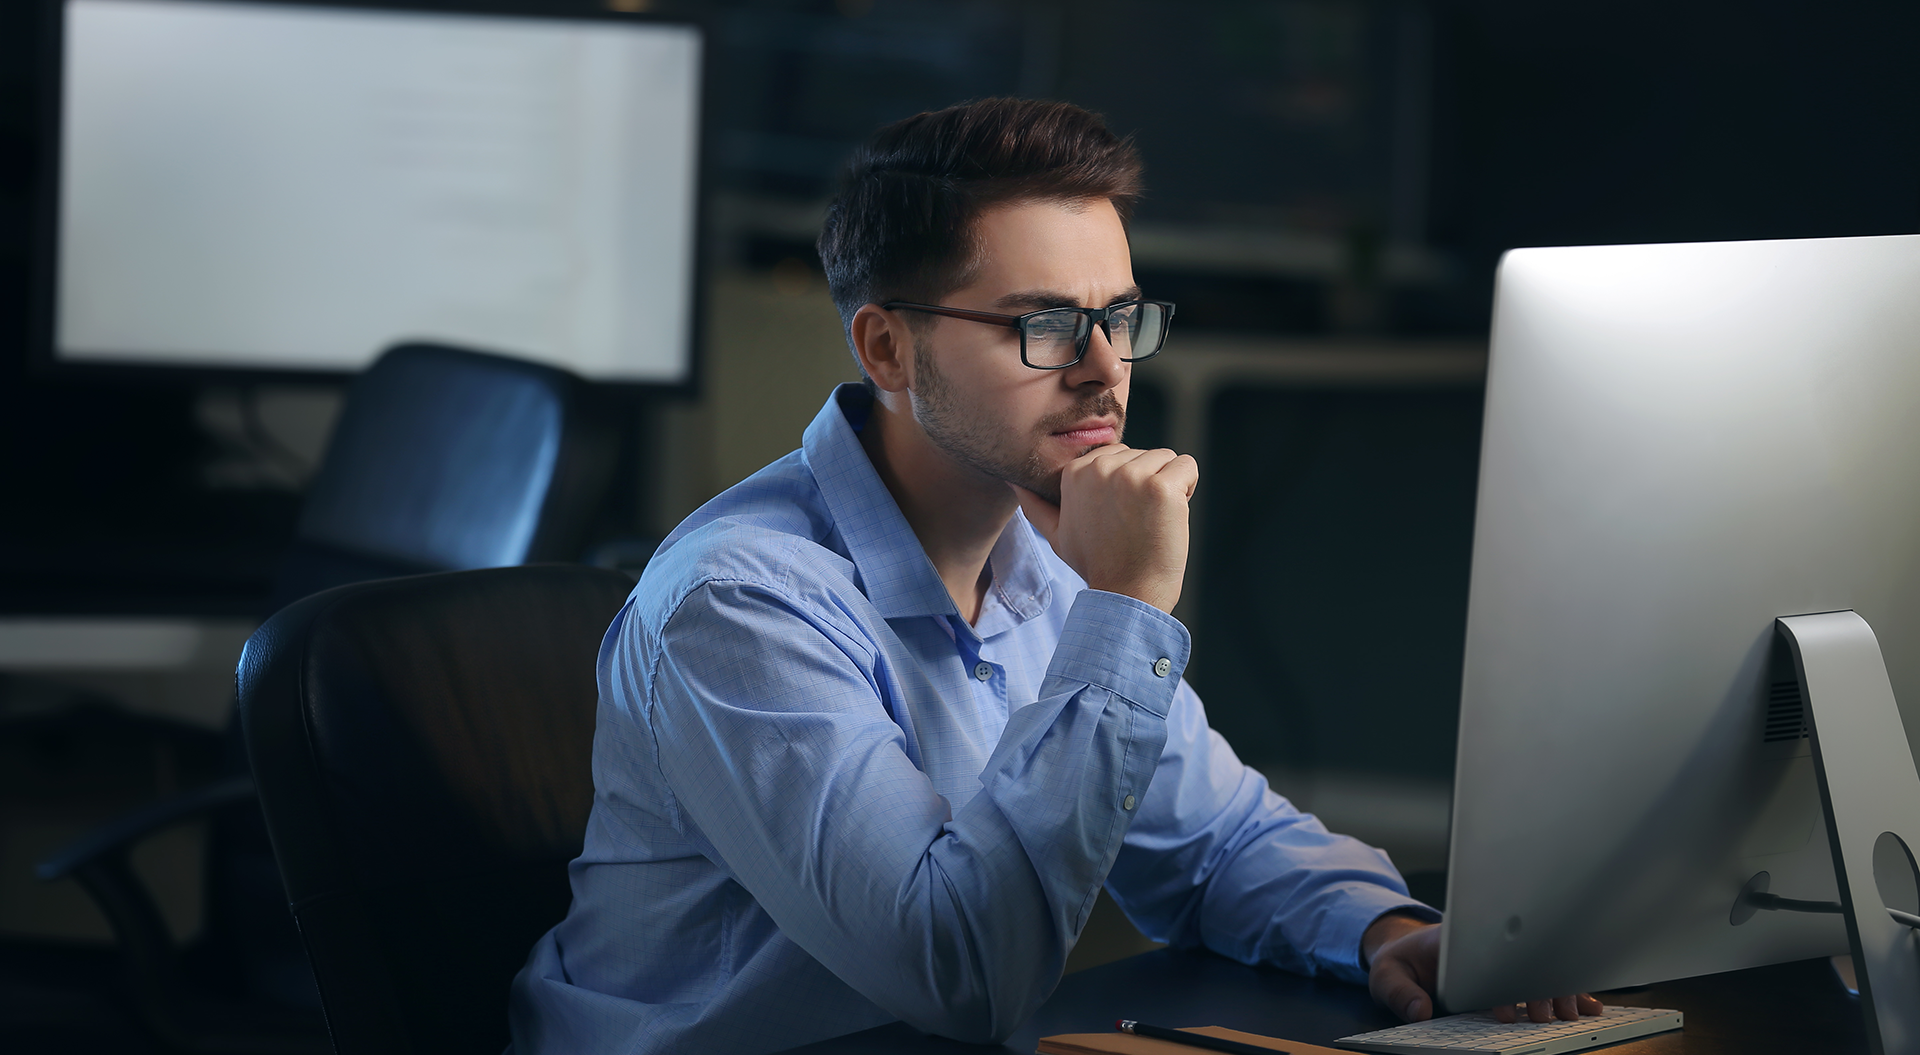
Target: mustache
[[1099, 405]]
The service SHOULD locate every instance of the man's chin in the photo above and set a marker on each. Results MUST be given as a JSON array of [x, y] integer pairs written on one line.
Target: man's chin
[[1047, 487]]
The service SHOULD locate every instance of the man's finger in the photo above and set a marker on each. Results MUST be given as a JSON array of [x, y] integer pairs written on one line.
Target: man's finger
[[1150, 462], [1183, 469], [1098, 461], [1042, 514], [1563, 1007], [1112, 454]]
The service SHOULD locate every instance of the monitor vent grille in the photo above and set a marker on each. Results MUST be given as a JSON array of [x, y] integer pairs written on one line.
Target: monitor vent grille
[[1786, 717]]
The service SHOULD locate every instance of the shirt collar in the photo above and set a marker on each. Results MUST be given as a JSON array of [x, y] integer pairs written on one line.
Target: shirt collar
[[1021, 585], [894, 570]]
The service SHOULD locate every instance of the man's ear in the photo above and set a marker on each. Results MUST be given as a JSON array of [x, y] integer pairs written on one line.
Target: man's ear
[[884, 346]]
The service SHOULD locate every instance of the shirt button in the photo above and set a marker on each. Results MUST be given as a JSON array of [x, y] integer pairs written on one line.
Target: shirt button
[[1161, 666], [983, 670], [1126, 803]]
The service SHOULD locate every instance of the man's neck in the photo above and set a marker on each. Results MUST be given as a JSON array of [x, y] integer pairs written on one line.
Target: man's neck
[[955, 511]]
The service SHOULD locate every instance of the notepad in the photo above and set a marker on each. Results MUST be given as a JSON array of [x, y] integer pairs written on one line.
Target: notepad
[[1117, 1043]]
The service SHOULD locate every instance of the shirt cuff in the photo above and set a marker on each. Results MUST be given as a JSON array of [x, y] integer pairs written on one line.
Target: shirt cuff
[[1123, 645]]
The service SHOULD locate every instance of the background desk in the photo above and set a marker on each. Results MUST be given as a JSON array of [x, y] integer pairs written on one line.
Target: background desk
[[1798, 1008]]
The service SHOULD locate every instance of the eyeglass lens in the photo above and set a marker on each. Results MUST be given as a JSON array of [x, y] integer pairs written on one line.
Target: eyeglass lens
[[1056, 338]]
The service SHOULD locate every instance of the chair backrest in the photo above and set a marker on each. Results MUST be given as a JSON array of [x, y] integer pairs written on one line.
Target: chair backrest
[[446, 459], [423, 750]]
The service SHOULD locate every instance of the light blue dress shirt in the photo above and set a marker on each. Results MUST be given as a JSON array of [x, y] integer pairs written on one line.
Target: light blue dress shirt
[[824, 802]]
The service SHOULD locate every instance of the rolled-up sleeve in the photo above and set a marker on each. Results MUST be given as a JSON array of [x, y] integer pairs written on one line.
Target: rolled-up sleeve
[[771, 731], [1216, 858]]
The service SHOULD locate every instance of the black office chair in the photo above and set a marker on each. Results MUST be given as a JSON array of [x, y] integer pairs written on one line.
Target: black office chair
[[423, 748], [442, 459]]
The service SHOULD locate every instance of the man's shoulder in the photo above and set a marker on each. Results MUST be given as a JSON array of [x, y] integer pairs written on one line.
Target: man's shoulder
[[770, 531], [742, 550]]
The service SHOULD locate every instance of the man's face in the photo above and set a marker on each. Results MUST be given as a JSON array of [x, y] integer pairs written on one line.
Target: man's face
[[972, 395]]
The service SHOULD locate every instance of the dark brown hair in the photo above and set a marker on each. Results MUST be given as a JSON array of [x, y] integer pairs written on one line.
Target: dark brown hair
[[901, 227]]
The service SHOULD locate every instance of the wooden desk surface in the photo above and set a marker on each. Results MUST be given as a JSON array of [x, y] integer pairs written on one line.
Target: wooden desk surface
[[1798, 1008]]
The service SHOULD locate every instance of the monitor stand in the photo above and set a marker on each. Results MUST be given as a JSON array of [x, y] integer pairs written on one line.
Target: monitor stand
[[1871, 795]]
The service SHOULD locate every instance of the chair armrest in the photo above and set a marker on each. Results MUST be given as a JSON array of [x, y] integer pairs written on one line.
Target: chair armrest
[[118, 834], [99, 861]]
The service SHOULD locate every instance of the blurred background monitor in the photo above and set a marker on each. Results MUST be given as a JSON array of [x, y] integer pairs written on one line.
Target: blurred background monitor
[[273, 187]]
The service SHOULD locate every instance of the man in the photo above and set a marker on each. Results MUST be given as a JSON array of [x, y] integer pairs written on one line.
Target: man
[[880, 721]]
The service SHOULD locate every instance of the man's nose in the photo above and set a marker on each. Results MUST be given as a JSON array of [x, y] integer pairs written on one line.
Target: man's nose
[[1101, 364]]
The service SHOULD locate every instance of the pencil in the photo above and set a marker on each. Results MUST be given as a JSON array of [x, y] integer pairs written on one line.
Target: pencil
[[1198, 1040]]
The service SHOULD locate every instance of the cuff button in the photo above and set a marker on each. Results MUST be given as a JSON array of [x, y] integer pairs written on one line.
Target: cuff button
[[1162, 666], [1127, 803]]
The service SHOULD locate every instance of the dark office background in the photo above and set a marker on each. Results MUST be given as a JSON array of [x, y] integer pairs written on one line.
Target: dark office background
[[1457, 129], [1406, 143]]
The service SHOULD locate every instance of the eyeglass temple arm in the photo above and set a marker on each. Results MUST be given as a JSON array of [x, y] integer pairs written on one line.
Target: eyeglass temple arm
[[991, 318]]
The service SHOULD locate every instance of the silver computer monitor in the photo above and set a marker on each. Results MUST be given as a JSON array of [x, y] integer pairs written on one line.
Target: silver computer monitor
[[1682, 443], [250, 186]]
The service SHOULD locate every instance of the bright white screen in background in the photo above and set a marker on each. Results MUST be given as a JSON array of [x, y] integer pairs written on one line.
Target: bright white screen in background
[[287, 187]]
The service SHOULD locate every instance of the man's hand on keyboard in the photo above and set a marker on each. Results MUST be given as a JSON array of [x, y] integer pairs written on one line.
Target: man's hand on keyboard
[[1403, 967], [1567, 1007]]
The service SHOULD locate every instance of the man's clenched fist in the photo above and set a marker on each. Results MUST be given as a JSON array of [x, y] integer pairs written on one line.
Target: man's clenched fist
[[1122, 520]]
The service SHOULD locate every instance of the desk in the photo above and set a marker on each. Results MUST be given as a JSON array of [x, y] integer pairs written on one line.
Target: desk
[[1797, 1008]]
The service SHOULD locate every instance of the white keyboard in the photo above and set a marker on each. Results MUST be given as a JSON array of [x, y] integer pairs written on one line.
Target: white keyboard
[[1479, 1032]]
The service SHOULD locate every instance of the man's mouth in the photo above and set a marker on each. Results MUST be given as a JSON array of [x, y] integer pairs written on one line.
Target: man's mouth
[[1093, 432]]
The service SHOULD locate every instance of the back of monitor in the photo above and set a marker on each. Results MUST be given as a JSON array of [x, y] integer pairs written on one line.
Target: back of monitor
[[1682, 443]]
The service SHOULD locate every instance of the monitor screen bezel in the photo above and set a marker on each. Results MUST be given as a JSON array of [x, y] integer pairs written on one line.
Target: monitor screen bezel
[[43, 358]]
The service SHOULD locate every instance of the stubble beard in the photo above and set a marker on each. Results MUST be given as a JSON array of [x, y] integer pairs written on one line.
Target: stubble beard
[[984, 447]]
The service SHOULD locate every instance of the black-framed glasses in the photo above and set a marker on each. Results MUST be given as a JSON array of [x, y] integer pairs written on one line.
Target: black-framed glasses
[[1056, 338]]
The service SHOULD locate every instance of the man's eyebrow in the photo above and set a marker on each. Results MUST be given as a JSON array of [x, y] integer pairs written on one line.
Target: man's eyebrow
[[1037, 299]]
